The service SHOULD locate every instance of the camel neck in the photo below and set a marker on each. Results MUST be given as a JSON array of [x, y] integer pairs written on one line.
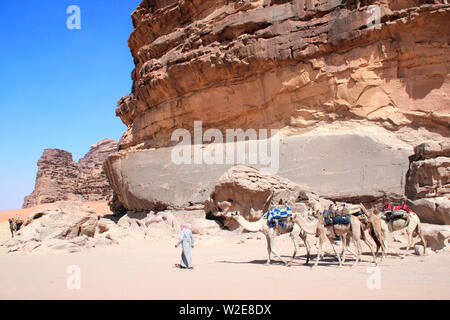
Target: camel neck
[[249, 226], [310, 228]]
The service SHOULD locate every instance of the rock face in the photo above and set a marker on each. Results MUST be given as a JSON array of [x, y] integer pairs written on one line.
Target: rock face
[[347, 166], [264, 64], [60, 178], [351, 91], [428, 182]]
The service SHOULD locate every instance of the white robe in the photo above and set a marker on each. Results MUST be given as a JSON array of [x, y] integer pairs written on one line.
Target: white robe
[[188, 241]]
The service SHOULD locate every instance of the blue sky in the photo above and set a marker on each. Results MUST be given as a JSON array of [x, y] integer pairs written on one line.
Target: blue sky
[[58, 87]]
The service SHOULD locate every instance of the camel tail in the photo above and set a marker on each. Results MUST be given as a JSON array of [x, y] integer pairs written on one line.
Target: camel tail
[[418, 231]]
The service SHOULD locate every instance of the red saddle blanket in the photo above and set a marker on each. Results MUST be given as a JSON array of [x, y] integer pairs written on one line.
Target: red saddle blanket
[[391, 207]]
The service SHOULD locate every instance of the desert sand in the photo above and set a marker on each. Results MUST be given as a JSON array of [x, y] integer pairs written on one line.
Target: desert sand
[[227, 266]]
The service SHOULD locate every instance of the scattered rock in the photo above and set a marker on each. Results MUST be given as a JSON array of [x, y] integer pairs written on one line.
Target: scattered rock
[[437, 236], [204, 227], [418, 250], [62, 226]]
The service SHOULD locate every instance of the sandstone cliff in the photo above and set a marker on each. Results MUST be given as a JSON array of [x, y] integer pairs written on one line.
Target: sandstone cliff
[[352, 91], [428, 182], [264, 64], [60, 178]]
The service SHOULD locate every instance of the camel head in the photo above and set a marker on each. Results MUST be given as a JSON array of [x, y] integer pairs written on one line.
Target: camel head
[[232, 214], [313, 213], [333, 209]]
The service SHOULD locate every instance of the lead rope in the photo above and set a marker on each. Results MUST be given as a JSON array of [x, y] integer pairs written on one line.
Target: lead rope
[[212, 235]]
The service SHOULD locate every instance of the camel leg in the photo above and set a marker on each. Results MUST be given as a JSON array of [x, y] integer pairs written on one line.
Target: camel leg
[[367, 242], [356, 236], [385, 232], [380, 244], [269, 250], [308, 248], [358, 252], [410, 241], [335, 252], [349, 250], [419, 232], [295, 241], [344, 246], [389, 249], [276, 253], [410, 232], [319, 250]]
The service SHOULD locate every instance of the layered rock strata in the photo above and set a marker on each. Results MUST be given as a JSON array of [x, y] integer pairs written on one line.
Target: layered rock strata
[[376, 77]]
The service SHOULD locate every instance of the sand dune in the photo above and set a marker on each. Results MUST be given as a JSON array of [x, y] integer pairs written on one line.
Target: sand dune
[[100, 207]]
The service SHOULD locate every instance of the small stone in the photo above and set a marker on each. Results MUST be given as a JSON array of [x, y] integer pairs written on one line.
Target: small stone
[[418, 250]]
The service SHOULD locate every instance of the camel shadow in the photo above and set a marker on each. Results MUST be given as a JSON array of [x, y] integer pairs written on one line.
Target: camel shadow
[[325, 261], [113, 217]]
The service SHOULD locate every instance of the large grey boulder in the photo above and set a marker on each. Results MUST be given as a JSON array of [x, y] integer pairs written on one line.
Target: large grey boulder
[[253, 193], [432, 210], [347, 166], [437, 236]]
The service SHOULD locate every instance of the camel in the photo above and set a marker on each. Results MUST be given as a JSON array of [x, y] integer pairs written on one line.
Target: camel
[[375, 229], [316, 228], [353, 230], [412, 226], [262, 225], [15, 224]]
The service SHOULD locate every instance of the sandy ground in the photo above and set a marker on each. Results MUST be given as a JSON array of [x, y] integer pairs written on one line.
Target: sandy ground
[[227, 266]]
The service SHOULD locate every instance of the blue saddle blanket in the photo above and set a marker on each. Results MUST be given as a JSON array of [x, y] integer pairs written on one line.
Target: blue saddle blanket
[[336, 220], [278, 215]]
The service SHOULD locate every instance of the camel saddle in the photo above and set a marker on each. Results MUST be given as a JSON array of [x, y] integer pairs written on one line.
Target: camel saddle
[[338, 219], [353, 210], [393, 212], [395, 215], [278, 215]]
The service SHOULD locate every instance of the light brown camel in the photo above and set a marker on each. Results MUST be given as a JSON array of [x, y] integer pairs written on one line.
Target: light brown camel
[[316, 228], [353, 230], [262, 225], [375, 229], [412, 225]]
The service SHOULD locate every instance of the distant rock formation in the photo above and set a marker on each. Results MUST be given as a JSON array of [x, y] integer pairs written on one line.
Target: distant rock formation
[[60, 178]]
